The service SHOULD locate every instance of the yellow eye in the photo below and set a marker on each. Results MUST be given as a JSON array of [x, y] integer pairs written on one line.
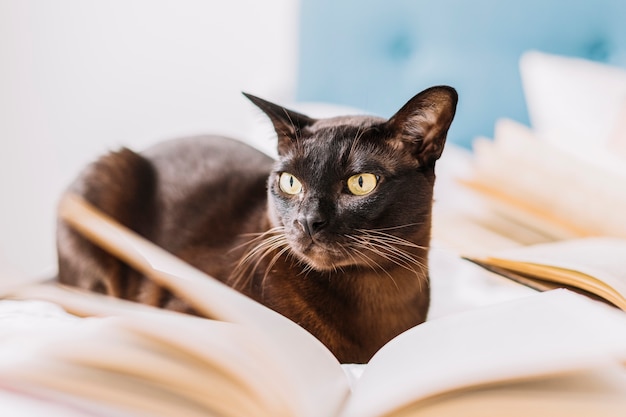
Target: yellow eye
[[289, 184], [362, 184]]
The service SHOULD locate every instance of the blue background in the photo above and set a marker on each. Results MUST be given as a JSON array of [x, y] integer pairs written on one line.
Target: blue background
[[375, 55]]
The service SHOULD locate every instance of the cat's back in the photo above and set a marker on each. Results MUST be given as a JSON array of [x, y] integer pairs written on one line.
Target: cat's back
[[206, 166], [200, 159], [194, 196], [206, 183]]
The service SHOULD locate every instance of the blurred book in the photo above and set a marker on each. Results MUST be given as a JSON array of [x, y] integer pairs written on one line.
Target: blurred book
[[535, 190], [555, 351], [591, 266], [563, 178]]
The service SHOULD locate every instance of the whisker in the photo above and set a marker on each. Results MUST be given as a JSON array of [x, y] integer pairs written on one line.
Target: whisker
[[384, 245], [262, 246], [391, 256], [402, 254], [268, 269], [259, 236], [273, 240], [392, 238], [369, 261], [402, 226], [357, 137], [306, 270], [296, 131]]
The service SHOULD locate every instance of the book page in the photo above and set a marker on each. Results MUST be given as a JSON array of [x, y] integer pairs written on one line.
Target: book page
[[543, 334], [318, 383], [598, 392], [518, 168], [139, 362], [603, 258]]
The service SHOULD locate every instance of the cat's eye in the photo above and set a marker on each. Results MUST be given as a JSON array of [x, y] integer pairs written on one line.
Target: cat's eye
[[362, 184], [289, 183]]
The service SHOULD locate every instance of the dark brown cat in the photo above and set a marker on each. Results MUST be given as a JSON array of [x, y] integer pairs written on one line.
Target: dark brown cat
[[336, 239]]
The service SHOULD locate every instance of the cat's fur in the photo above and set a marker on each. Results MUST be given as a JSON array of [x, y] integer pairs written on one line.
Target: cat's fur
[[350, 269]]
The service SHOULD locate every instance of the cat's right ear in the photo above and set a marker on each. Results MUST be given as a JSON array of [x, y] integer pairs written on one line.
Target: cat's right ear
[[422, 124], [288, 124]]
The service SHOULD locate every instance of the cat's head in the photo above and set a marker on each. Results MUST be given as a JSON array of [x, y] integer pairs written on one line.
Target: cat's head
[[357, 190]]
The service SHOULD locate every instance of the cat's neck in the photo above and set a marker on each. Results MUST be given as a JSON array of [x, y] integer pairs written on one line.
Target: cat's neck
[[352, 309]]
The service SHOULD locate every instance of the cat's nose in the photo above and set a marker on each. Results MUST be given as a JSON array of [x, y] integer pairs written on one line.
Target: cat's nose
[[312, 223]]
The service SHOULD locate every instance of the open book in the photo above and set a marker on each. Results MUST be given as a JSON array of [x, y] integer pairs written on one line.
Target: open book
[[556, 352], [594, 266], [537, 189]]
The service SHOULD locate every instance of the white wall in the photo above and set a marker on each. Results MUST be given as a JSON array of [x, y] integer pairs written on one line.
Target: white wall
[[79, 77]]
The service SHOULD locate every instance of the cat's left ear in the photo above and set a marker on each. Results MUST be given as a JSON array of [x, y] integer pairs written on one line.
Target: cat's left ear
[[422, 124], [288, 124]]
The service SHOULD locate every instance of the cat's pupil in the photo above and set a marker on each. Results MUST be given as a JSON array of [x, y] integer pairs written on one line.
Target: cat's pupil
[[361, 181], [291, 181]]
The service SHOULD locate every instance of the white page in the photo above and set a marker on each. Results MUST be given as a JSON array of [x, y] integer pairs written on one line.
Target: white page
[[597, 392], [546, 333], [601, 257], [183, 353]]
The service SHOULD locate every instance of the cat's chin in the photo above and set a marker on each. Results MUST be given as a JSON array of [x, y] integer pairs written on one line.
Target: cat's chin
[[321, 264], [322, 258]]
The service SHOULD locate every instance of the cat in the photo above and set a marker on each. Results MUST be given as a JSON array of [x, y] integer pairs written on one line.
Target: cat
[[334, 234]]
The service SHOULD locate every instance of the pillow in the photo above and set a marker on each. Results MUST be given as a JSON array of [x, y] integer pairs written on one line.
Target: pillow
[[575, 99]]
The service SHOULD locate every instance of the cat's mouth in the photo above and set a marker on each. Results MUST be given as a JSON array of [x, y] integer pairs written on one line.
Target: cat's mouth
[[365, 249], [319, 255]]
